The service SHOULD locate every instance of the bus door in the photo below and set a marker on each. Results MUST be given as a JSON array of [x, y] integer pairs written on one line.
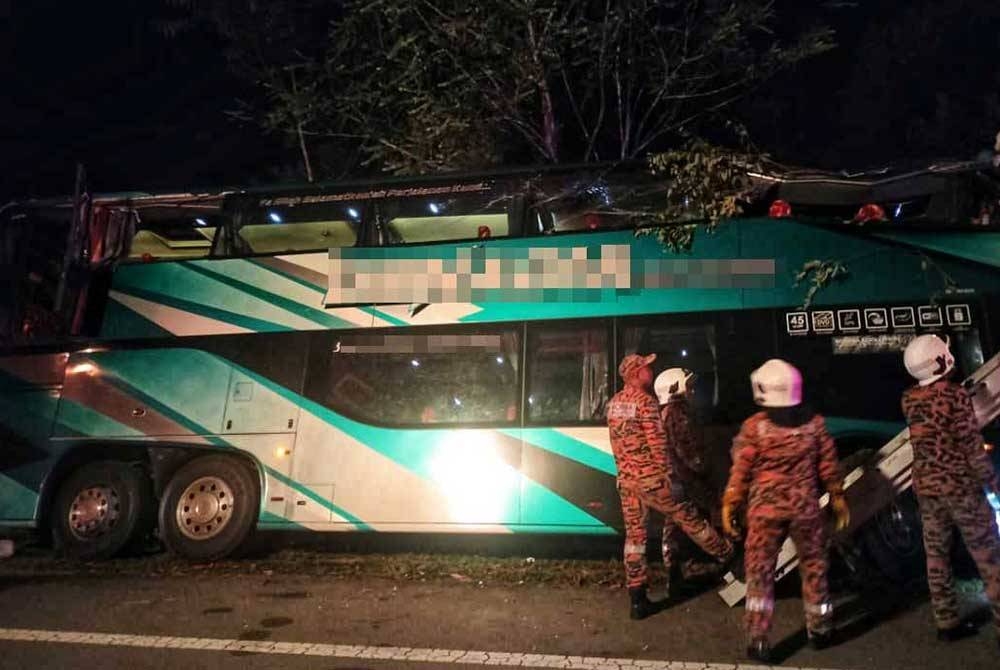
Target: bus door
[[262, 413], [567, 461]]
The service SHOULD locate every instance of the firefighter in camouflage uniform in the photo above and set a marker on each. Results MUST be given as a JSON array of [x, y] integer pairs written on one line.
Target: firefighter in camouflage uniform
[[951, 469], [646, 478], [685, 449], [783, 458]]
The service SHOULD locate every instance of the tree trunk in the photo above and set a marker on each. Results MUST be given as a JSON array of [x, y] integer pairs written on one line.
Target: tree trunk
[[550, 135], [305, 152], [549, 132]]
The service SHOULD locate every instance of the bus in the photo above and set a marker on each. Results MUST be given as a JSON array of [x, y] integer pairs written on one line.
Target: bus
[[207, 381]]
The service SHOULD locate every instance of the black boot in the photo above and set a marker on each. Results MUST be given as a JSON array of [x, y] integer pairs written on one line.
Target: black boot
[[642, 607], [959, 632], [734, 564], [759, 650], [820, 641]]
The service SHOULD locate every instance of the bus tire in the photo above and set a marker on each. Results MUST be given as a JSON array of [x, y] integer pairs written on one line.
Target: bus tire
[[209, 508], [100, 509], [893, 540]]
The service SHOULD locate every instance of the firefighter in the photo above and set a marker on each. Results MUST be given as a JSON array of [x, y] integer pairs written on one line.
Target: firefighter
[[646, 478], [951, 469], [782, 457], [673, 387]]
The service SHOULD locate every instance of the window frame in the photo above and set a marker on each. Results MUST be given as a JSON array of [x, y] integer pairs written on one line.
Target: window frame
[[567, 324], [676, 320], [326, 338]]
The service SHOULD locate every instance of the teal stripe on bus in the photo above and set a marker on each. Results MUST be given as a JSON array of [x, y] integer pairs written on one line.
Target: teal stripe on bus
[[414, 448], [374, 311], [121, 321], [178, 417], [87, 421], [321, 290], [844, 426], [201, 309], [291, 306], [315, 497]]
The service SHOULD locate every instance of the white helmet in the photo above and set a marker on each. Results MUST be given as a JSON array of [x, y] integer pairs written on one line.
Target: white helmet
[[928, 359], [672, 383], [776, 384]]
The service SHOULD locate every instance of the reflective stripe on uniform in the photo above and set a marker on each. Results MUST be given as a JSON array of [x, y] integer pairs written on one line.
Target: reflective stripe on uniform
[[635, 548], [819, 609], [760, 604]]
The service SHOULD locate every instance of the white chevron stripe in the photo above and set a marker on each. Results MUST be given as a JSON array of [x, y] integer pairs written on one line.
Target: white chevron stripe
[[594, 436], [177, 321], [319, 262]]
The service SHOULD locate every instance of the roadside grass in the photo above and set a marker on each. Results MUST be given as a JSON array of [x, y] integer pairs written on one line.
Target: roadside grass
[[401, 567]]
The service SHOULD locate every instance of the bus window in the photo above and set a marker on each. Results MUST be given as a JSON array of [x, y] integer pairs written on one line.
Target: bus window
[[446, 218], [298, 228], [173, 233], [595, 203], [424, 379], [678, 346], [570, 375]]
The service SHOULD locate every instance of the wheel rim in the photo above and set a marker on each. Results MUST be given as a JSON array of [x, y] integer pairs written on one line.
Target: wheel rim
[[895, 531], [205, 508], [93, 512]]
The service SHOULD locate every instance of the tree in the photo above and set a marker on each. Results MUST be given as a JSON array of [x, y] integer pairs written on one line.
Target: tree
[[706, 184], [276, 46], [432, 85], [426, 85], [553, 80]]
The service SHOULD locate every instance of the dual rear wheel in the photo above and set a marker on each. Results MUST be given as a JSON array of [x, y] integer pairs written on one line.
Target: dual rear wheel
[[206, 512]]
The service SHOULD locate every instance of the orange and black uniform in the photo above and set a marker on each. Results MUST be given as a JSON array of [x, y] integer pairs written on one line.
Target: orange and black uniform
[[685, 453], [780, 470], [950, 471], [645, 481]]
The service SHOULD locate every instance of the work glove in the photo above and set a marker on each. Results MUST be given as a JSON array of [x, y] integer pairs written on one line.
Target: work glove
[[842, 514], [730, 503]]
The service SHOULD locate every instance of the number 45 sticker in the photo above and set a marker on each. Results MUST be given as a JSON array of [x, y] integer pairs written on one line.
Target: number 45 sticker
[[797, 323]]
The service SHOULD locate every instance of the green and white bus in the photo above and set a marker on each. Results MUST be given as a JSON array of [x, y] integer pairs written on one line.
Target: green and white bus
[[207, 384]]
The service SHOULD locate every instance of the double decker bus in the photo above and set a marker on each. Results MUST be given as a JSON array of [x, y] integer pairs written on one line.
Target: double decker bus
[[218, 369]]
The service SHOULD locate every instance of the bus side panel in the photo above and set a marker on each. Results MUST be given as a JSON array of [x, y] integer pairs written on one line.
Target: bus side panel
[[379, 478], [29, 395], [286, 293], [150, 392], [570, 480], [200, 397]]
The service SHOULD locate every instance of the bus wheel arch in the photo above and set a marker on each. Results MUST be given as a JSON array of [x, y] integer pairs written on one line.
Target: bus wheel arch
[[210, 506], [100, 508], [892, 539]]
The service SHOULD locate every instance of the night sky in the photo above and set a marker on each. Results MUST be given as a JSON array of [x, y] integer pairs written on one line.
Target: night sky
[[95, 82]]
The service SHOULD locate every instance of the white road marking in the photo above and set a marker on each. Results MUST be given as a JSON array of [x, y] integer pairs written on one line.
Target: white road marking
[[406, 654]]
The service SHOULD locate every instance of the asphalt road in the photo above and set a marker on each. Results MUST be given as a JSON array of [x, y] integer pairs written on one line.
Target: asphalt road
[[226, 621]]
